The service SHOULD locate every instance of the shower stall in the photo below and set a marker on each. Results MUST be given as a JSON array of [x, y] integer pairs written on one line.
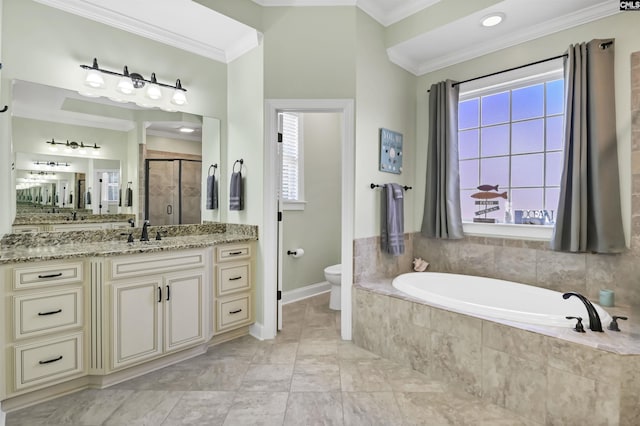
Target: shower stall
[[172, 191]]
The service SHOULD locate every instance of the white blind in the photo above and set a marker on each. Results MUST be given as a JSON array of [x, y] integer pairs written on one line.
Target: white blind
[[290, 157]]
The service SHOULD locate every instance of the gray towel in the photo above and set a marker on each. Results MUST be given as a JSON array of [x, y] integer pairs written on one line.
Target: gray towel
[[392, 220], [236, 198], [212, 193], [88, 197], [129, 200]]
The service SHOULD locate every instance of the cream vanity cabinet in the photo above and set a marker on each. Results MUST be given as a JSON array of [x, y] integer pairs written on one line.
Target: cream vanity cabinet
[[234, 286], [157, 304], [46, 312]]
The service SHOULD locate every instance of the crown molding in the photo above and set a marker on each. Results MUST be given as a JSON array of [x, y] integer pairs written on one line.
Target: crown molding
[[398, 13], [144, 29], [279, 3], [474, 51]]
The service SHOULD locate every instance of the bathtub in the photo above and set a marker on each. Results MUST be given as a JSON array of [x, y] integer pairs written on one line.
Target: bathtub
[[493, 298]]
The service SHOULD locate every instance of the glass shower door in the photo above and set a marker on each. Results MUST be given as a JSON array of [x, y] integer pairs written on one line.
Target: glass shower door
[[173, 191]]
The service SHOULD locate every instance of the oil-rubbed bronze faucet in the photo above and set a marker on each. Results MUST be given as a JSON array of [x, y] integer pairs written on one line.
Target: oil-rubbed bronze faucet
[[145, 231], [594, 319]]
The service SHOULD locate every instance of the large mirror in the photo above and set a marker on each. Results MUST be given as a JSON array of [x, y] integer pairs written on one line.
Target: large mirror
[[95, 156]]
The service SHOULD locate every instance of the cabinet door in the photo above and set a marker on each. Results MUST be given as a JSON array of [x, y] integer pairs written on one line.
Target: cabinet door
[[184, 309], [136, 321]]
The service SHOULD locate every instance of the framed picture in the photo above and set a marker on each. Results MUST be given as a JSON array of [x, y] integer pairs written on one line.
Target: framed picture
[[390, 151]]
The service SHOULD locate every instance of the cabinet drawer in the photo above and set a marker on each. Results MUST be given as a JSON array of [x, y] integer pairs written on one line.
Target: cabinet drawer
[[77, 227], [233, 277], [233, 252], [48, 361], [48, 275], [234, 312], [156, 263], [47, 312]]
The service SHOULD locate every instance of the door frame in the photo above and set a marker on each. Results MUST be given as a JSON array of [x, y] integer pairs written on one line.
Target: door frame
[[345, 107]]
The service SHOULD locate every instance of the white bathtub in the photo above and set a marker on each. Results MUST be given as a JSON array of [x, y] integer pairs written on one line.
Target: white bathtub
[[493, 298]]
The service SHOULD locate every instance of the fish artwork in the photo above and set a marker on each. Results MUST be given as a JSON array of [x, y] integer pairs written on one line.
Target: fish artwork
[[489, 195], [488, 188]]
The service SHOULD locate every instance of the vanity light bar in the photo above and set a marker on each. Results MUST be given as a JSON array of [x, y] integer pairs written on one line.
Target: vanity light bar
[[51, 164], [137, 79], [72, 144]]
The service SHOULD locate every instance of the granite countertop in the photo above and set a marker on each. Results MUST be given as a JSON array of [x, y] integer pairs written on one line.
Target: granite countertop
[[625, 342], [65, 218], [21, 248]]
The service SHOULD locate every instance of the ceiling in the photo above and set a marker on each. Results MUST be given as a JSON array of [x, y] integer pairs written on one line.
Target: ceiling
[[454, 37]]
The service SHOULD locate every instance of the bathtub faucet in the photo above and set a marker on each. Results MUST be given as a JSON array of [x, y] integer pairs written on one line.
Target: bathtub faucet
[[594, 319]]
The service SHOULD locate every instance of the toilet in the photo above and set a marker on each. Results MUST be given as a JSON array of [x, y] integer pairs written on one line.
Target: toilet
[[333, 274]]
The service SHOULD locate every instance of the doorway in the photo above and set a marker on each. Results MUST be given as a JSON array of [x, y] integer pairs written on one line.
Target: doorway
[[309, 234], [172, 191], [345, 108]]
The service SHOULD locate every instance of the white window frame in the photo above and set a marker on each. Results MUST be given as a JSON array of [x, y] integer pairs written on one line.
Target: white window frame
[[299, 203], [494, 84]]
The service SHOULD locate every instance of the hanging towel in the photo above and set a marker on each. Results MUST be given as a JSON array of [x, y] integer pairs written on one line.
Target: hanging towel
[[120, 197], [212, 193], [88, 197], [392, 220], [236, 199], [129, 198]]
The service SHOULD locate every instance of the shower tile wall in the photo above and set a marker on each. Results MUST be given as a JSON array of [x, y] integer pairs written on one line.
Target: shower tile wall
[[529, 262]]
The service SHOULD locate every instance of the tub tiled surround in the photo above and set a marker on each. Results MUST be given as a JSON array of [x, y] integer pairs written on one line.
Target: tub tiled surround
[[541, 378], [370, 263]]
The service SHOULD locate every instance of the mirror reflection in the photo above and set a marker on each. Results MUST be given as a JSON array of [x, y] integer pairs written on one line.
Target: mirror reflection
[[83, 157]]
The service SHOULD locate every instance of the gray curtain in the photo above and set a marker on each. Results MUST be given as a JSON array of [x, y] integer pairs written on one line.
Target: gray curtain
[[589, 216], [442, 217]]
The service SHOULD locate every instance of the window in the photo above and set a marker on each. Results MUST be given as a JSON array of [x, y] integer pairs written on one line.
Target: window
[[510, 140], [292, 162]]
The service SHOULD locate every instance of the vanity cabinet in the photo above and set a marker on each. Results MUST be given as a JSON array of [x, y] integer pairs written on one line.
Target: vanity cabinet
[[45, 307], [234, 287], [157, 305]]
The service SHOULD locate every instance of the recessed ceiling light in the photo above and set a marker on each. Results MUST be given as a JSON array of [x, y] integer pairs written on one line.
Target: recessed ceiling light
[[492, 20], [187, 130]]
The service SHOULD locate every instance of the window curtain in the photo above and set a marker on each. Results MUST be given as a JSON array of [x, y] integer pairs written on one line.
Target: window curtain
[[589, 216], [442, 217]]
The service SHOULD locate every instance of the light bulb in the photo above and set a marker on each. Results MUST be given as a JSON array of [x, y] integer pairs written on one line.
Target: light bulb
[[153, 91], [179, 97], [94, 79]]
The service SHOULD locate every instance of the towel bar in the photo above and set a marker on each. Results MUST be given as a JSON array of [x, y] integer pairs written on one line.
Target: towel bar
[[406, 188], [214, 167]]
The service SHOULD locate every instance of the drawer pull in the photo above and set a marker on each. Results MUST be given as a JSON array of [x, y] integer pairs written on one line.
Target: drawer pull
[[234, 253], [42, 314], [237, 311], [59, 274], [49, 361], [235, 278]]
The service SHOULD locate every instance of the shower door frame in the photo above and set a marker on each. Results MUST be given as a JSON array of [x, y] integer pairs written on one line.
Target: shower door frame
[[146, 184]]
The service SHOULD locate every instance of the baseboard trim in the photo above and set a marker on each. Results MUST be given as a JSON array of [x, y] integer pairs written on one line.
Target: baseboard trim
[[257, 330], [305, 292]]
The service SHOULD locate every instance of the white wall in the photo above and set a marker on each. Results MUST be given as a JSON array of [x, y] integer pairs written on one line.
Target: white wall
[[245, 141], [623, 27], [180, 146], [317, 228]]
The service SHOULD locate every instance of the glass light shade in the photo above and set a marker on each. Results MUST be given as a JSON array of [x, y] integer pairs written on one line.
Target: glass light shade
[[492, 20], [94, 79], [179, 97], [154, 92], [125, 85]]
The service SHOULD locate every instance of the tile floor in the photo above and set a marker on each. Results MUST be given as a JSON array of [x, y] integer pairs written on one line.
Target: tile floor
[[307, 376]]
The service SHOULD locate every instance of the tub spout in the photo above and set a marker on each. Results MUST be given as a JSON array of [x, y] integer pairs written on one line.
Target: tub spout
[[594, 319]]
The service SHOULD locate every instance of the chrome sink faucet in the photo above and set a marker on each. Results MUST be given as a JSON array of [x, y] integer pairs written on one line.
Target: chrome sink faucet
[[145, 231], [594, 319]]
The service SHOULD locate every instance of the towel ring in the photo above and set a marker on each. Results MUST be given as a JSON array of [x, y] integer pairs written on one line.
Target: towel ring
[[241, 161], [214, 167]]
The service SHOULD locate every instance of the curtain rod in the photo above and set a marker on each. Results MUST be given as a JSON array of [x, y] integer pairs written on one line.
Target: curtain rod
[[602, 46]]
